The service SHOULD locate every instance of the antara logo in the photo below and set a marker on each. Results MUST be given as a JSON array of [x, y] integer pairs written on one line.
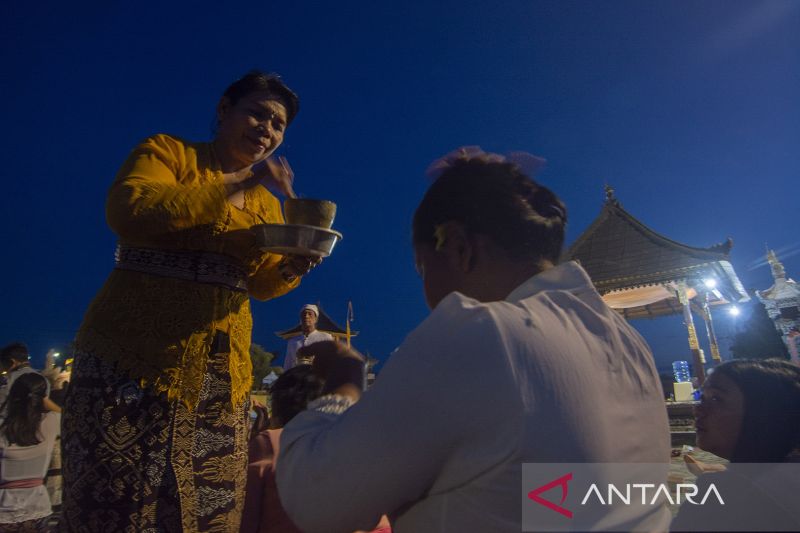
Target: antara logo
[[562, 482], [629, 492], [651, 494]]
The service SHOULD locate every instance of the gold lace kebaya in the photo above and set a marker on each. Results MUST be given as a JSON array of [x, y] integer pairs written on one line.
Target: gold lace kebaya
[[158, 329]]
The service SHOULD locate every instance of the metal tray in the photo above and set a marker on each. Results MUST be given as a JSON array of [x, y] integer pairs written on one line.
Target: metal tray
[[296, 239]]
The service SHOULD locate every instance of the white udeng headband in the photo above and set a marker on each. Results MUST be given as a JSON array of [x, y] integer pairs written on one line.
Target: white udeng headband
[[311, 307]]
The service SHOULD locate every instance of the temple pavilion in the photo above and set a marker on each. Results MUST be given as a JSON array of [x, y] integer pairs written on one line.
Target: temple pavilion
[[643, 274], [325, 323]]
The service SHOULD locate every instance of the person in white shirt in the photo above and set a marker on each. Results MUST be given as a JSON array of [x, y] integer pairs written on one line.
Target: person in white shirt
[[27, 438], [520, 361], [309, 316], [15, 362]]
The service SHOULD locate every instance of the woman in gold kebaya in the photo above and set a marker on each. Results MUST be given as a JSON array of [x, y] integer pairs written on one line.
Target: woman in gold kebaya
[[154, 429]]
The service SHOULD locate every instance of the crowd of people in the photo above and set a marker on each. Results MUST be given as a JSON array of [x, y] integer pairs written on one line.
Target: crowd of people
[[519, 361]]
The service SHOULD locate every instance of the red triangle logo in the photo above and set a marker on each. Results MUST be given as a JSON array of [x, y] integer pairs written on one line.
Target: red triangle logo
[[562, 482]]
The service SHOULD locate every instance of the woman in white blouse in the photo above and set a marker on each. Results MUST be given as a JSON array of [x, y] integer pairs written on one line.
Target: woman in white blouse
[[27, 437]]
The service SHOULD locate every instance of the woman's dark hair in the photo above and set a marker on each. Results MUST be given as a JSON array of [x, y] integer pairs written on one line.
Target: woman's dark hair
[[24, 408], [16, 351], [497, 199], [256, 80], [771, 423], [292, 391]]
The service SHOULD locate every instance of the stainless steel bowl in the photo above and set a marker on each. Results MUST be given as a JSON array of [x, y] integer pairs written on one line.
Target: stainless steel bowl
[[296, 239]]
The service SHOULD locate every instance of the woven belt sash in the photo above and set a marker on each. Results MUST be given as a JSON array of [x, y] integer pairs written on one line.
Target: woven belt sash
[[22, 483], [202, 267]]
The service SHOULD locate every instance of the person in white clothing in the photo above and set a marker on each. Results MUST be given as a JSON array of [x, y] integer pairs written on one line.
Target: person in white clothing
[[520, 361], [309, 316], [15, 362], [27, 437]]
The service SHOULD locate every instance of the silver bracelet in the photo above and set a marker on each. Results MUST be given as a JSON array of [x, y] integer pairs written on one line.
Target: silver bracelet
[[332, 404]]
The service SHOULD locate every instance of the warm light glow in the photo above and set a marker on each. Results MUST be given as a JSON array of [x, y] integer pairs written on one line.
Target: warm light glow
[[734, 311], [710, 283]]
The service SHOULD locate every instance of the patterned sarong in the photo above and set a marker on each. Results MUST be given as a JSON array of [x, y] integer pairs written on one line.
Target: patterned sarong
[[135, 462]]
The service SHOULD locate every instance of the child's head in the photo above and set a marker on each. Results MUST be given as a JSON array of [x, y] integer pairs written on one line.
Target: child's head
[[292, 392]]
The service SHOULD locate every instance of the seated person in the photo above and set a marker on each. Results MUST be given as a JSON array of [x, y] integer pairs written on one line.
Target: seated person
[[749, 413], [288, 396], [520, 361]]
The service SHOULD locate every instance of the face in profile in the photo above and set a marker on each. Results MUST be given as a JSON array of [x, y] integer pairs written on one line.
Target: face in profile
[[719, 416], [251, 129]]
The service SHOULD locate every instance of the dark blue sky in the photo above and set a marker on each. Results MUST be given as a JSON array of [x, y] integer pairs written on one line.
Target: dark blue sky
[[689, 109]]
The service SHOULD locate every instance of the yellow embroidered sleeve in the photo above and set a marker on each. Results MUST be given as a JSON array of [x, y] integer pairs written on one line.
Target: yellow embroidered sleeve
[[159, 190]]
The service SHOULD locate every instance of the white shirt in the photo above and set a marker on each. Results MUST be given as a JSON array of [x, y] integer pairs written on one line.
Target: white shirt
[[295, 343], [27, 462], [551, 374]]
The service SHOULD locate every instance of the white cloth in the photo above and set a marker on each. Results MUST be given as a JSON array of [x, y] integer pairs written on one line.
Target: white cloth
[[295, 343], [27, 462], [551, 374]]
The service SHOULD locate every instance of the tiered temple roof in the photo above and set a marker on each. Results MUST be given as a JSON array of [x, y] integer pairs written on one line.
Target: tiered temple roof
[[636, 269]]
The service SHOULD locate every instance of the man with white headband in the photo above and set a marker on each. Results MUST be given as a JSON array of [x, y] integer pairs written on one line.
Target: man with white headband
[[309, 316]]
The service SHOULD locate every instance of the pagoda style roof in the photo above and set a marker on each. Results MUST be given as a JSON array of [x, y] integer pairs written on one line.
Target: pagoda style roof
[[325, 324], [621, 255], [784, 291]]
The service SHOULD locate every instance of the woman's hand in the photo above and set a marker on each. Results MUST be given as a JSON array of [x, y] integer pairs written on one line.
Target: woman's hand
[[341, 367], [272, 173], [295, 266]]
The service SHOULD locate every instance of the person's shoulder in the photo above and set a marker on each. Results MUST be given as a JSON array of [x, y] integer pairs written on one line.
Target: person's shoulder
[[14, 374], [51, 423], [459, 307], [169, 143], [166, 139], [457, 319], [51, 417], [172, 149]]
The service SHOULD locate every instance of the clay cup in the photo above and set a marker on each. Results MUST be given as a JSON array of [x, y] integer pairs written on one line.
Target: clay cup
[[309, 212]]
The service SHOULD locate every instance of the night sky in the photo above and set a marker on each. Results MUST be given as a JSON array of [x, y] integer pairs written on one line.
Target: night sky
[[689, 109]]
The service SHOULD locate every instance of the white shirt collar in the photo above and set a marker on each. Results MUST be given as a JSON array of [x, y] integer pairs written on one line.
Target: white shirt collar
[[568, 276]]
